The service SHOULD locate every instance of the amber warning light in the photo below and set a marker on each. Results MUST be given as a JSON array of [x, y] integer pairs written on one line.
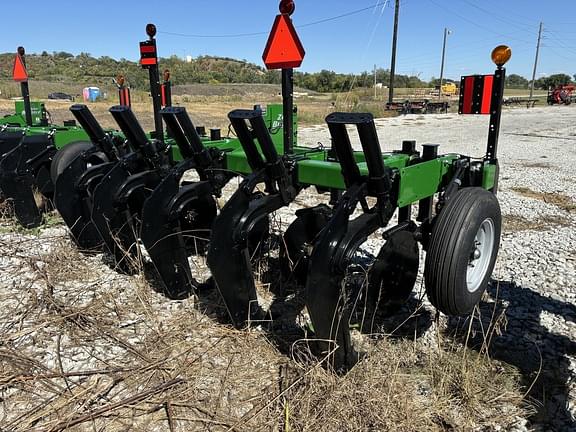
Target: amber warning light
[[501, 54]]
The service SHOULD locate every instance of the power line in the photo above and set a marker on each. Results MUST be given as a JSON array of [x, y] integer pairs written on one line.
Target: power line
[[474, 22], [313, 23], [499, 18]]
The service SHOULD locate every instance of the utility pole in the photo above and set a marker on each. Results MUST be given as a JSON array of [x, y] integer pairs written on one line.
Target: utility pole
[[446, 33], [393, 62], [536, 61], [375, 95]]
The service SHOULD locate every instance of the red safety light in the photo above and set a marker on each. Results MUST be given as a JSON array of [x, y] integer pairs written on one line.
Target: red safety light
[[151, 30], [287, 7], [148, 53], [124, 94], [283, 49], [147, 49], [476, 94]]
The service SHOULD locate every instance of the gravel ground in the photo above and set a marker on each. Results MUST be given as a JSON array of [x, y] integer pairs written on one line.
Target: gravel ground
[[529, 310]]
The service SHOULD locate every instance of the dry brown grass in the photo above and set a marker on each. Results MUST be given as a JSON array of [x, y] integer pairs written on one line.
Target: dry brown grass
[[560, 200], [83, 348], [209, 105]]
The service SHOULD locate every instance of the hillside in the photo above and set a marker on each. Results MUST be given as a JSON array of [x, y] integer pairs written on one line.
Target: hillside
[[83, 69]]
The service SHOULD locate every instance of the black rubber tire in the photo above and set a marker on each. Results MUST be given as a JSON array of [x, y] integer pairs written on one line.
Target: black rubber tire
[[66, 155], [451, 245]]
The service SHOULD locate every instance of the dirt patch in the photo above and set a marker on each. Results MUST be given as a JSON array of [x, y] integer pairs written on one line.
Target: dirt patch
[[537, 165], [560, 200], [515, 223]]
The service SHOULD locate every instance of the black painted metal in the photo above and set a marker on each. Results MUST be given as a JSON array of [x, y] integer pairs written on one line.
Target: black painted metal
[[393, 274], [177, 216], [75, 185], [429, 152], [244, 218], [9, 141], [336, 244], [119, 197], [299, 236], [288, 109], [495, 115], [155, 91], [25, 91], [24, 170]]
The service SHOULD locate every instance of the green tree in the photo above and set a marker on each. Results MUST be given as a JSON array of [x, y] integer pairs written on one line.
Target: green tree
[[552, 81], [516, 81]]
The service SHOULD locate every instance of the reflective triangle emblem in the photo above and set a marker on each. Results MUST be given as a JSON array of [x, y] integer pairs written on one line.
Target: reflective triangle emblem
[[19, 73], [283, 49]]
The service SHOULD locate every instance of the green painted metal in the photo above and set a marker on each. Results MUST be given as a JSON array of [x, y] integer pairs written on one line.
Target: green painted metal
[[235, 159], [313, 167], [318, 171], [423, 180], [489, 176], [38, 112], [66, 135], [63, 135], [18, 119]]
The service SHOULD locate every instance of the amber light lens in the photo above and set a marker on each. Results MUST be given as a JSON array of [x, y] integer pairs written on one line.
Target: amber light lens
[[120, 80], [166, 75], [501, 54]]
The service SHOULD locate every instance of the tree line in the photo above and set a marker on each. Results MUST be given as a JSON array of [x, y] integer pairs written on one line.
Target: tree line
[[87, 70]]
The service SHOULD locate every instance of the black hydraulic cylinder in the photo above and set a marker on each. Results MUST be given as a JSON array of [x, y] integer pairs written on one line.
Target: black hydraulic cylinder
[[129, 126], [183, 130], [238, 120], [288, 109], [341, 144], [264, 138], [371, 147], [93, 129]]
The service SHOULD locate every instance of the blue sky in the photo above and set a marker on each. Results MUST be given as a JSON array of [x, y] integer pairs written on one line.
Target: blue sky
[[349, 44]]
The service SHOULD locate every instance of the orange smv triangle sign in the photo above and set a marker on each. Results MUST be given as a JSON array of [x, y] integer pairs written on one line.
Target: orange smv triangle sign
[[19, 73], [283, 49]]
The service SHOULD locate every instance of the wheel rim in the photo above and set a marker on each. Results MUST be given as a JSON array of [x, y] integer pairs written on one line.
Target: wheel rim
[[481, 255]]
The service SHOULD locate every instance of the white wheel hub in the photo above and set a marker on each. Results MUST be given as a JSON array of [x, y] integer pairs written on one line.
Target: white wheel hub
[[481, 254]]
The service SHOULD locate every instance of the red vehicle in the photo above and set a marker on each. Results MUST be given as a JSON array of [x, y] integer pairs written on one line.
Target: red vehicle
[[561, 94]]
